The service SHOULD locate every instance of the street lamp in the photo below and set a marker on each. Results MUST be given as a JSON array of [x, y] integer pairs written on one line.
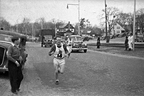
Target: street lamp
[[78, 14]]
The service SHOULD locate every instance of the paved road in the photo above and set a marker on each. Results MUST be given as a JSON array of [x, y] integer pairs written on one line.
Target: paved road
[[86, 74]]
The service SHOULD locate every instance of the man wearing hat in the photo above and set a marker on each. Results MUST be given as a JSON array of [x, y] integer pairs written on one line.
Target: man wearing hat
[[60, 52]]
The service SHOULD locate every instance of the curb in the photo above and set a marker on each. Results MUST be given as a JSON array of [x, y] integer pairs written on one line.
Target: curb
[[118, 55], [116, 45]]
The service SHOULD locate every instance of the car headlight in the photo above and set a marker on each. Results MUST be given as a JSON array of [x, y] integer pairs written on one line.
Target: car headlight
[[84, 44]]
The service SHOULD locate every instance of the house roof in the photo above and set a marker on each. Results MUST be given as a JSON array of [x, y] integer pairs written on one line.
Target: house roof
[[67, 26], [118, 25]]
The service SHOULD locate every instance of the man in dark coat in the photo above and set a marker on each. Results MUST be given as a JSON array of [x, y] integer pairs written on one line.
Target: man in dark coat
[[14, 65]]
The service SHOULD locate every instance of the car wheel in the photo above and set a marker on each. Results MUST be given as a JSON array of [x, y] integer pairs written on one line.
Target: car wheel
[[85, 51]]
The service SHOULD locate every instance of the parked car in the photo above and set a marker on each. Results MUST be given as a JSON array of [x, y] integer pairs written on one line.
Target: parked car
[[3, 58], [78, 44], [4, 45]]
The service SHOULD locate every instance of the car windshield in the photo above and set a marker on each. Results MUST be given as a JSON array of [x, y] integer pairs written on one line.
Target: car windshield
[[76, 38]]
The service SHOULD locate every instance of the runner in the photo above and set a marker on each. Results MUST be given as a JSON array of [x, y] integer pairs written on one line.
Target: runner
[[69, 46], [60, 52]]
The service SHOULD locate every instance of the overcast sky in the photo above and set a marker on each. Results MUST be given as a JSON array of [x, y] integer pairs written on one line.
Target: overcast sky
[[15, 10]]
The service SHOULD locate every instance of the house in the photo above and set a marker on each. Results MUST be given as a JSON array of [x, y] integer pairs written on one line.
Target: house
[[117, 29], [67, 29]]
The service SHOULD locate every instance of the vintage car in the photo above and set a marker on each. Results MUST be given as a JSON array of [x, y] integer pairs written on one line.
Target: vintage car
[[3, 58], [4, 45], [78, 44]]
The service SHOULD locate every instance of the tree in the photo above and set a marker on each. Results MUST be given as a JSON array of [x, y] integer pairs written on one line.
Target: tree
[[140, 23], [46, 25], [140, 20], [82, 21], [85, 25], [96, 31], [125, 20], [4, 24], [76, 29], [42, 22], [26, 26], [111, 15]]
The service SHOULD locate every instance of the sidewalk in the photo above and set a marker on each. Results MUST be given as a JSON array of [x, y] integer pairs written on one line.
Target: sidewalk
[[118, 42], [116, 46], [138, 52]]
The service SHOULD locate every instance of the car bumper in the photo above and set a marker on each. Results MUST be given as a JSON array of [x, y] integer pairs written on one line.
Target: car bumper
[[75, 49]]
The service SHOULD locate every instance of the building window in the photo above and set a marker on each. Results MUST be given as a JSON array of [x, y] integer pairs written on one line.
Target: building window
[[118, 31], [118, 27]]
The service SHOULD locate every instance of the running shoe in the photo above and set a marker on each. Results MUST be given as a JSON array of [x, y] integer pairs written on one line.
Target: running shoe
[[57, 82]]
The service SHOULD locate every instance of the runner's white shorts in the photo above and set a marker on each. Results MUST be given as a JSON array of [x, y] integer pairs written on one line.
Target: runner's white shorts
[[59, 63]]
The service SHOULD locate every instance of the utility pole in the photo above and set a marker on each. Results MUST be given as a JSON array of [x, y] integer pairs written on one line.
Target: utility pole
[[78, 15], [41, 25], [32, 29], [106, 22], [134, 24]]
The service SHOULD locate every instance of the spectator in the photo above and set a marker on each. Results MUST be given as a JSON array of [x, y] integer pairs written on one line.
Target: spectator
[[130, 42], [126, 43], [14, 65], [98, 42], [69, 46]]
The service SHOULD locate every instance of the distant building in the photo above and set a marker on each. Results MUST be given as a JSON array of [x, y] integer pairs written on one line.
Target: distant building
[[117, 29], [67, 29]]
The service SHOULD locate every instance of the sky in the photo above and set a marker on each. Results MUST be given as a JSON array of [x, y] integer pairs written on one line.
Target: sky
[[15, 10]]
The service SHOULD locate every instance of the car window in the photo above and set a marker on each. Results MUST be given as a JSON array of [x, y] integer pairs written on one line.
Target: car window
[[76, 38]]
